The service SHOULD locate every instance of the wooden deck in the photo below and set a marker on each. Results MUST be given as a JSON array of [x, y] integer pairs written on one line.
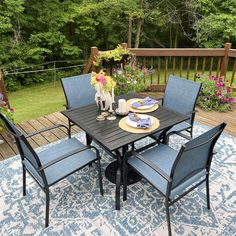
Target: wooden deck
[[9, 149]]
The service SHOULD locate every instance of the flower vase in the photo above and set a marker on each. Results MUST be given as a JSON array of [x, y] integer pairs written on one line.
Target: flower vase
[[106, 98]]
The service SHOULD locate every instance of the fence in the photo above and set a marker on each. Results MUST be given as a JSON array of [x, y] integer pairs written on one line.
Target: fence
[[51, 66], [188, 63]]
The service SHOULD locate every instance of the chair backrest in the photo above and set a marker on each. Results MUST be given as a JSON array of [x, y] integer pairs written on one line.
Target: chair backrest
[[25, 149], [78, 90], [195, 156], [181, 95]]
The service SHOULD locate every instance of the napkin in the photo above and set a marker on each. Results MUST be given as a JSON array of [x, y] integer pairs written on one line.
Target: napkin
[[144, 102], [141, 122]]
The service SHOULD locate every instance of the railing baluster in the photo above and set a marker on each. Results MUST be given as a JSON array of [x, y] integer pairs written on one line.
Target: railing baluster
[[233, 73], [166, 69], [181, 66], [218, 67], [144, 64], [203, 65], [173, 68], [158, 70], [189, 65], [151, 68], [195, 68], [211, 66]]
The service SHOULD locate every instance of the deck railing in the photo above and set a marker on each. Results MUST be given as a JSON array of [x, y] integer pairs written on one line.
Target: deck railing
[[189, 63]]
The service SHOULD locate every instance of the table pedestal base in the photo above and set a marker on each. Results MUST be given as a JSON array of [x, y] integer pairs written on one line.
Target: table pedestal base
[[110, 174]]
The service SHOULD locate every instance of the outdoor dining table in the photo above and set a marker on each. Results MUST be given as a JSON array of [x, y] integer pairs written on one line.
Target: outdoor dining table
[[114, 140]]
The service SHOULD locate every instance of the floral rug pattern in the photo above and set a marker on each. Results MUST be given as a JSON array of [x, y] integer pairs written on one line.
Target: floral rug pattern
[[77, 208]]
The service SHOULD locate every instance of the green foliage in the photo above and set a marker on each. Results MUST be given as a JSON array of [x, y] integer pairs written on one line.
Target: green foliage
[[113, 57], [130, 79], [215, 95], [33, 32], [217, 24]]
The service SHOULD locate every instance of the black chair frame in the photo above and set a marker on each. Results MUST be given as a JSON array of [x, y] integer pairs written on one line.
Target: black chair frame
[[169, 179]]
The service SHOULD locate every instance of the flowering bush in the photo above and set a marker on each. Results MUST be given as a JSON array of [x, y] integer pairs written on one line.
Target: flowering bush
[[102, 82], [215, 94], [130, 79], [8, 112]]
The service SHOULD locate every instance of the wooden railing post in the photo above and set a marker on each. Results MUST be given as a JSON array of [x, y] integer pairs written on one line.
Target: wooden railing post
[[124, 45], [225, 61], [3, 88], [89, 65]]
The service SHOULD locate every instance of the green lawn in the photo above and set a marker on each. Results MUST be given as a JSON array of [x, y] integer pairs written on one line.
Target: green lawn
[[36, 101]]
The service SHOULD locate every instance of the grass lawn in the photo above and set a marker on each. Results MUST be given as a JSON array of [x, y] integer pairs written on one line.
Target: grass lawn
[[38, 100]]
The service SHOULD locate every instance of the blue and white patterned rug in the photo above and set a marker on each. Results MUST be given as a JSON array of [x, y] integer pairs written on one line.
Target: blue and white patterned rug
[[77, 208]]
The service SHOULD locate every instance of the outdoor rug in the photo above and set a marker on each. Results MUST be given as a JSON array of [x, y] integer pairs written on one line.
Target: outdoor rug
[[77, 208]]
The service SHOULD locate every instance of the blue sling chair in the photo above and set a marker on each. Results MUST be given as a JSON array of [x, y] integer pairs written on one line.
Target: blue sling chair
[[55, 163], [172, 173], [180, 95], [78, 92]]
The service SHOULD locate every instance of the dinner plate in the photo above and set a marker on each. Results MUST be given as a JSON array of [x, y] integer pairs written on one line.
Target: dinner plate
[[134, 124], [141, 107]]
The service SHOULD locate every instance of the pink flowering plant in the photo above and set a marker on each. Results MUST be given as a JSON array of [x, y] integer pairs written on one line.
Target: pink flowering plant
[[215, 94], [8, 112], [130, 78]]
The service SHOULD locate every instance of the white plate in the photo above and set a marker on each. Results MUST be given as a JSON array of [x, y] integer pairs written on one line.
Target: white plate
[[134, 124], [141, 107]]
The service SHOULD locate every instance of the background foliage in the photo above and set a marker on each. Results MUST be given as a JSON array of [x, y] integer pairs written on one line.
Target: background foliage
[[34, 32]]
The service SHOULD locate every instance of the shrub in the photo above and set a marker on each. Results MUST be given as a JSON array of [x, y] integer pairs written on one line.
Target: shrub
[[215, 94], [130, 79]]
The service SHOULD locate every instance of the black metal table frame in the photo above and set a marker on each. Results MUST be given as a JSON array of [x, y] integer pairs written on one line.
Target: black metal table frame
[[116, 152]]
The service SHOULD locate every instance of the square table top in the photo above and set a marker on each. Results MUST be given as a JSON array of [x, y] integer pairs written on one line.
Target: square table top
[[108, 133]]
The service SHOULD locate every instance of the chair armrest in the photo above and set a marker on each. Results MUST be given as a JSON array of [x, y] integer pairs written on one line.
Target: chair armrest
[[153, 166], [46, 129], [78, 150]]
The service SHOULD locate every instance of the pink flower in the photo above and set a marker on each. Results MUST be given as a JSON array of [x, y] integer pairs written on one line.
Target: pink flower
[[228, 90], [10, 109], [101, 79], [213, 77]]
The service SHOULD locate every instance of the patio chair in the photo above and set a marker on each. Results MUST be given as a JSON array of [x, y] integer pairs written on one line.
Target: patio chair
[[180, 95], [172, 173], [78, 92], [55, 163]]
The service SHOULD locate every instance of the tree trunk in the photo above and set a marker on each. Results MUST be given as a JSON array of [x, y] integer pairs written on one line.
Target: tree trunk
[[176, 36], [130, 32], [138, 33]]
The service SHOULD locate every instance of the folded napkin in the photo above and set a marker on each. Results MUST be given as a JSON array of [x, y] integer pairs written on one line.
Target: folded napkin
[[144, 102], [141, 122]]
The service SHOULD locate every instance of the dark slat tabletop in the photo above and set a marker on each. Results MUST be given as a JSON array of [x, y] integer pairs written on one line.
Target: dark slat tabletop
[[108, 133]]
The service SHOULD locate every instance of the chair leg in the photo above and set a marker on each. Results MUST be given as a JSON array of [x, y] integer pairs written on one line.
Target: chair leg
[[132, 146], [24, 181], [208, 191], [47, 208], [168, 217], [69, 126], [100, 176], [124, 179]]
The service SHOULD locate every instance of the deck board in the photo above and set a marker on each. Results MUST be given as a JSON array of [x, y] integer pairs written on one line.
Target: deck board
[[8, 148]]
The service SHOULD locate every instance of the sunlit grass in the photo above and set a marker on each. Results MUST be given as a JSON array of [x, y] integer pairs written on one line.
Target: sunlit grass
[[35, 101]]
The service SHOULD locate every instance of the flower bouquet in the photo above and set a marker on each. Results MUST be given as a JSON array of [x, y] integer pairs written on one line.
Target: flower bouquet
[[104, 84]]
